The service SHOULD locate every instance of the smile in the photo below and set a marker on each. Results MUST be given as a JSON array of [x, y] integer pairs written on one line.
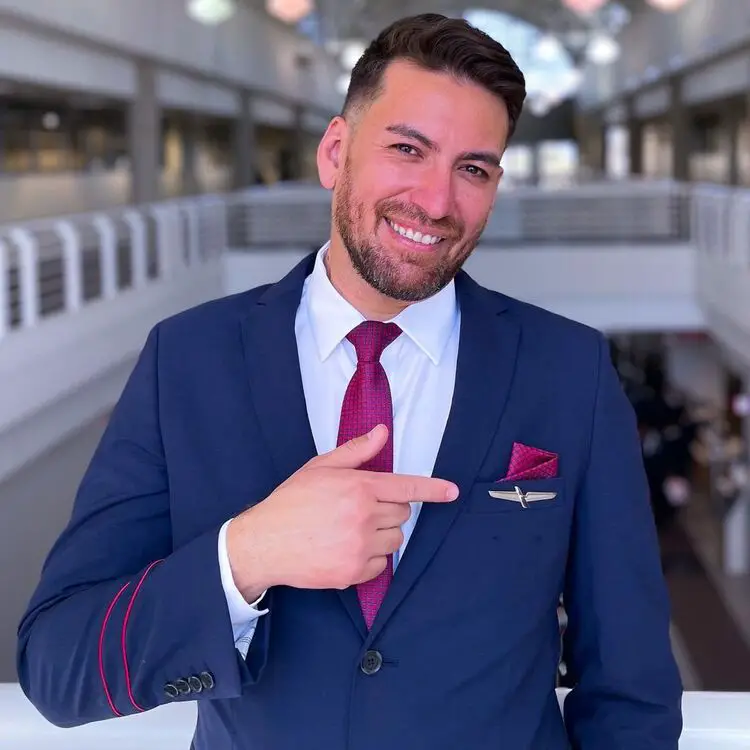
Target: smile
[[422, 239]]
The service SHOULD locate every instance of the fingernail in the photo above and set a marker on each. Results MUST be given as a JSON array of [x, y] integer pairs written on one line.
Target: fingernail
[[372, 432], [452, 493]]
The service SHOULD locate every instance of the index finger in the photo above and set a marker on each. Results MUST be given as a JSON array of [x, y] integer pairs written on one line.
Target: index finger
[[406, 488]]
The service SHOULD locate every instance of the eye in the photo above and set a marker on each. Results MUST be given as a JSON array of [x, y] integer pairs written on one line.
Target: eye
[[476, 171], [406, 149]]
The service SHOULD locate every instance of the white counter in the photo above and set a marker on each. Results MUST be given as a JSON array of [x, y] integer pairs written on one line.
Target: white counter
[[713, 721]]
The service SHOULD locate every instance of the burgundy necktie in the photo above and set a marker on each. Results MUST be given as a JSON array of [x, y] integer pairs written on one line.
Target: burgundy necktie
[[367, 403]]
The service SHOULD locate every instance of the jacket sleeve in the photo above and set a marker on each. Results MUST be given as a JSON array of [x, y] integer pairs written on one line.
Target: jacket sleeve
[[628, 691], [121, 622]]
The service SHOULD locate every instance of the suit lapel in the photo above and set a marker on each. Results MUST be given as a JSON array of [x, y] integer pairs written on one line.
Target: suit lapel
[[486, 362], [272, 361]]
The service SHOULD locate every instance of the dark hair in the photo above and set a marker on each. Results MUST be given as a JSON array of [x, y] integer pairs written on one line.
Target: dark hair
[[450, 45]]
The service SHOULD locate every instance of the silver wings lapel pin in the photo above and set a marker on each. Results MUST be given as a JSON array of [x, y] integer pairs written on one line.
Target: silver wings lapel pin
[[517, 495]]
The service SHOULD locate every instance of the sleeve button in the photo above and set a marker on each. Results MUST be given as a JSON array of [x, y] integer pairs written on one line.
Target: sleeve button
[[170, 690]]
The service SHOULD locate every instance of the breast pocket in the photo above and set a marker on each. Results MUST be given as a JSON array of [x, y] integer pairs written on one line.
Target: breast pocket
[[524, 496]]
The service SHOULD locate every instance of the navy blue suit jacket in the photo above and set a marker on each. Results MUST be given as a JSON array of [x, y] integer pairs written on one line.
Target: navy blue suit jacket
[[464, 651]]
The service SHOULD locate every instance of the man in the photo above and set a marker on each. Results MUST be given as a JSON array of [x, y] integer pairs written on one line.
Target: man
[[339, 511]]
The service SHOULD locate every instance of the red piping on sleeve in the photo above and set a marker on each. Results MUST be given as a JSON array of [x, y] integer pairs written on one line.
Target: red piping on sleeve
[[124, 632], [101, 649]]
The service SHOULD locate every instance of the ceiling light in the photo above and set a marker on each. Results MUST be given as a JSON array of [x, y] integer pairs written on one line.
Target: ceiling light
[[548, 48], [351, 52], [667, 6], [51, 121], [289, 11], [602, 49], [584, 7], [210, 12]]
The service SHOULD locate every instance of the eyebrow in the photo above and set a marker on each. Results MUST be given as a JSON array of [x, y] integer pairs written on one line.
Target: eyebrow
[[407, 131]]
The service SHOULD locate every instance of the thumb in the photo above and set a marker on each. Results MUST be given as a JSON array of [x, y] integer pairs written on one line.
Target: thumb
[[353, 453]]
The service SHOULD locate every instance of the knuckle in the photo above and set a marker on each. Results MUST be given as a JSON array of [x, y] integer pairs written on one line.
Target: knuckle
[[353, 444], [361, 513], [410, 491], [357, 548], [362, 491]]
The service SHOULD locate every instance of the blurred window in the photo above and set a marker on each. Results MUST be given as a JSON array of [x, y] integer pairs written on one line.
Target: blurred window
[[48, 135]]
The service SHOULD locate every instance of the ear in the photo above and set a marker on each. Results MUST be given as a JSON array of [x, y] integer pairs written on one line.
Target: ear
[[331, 152]]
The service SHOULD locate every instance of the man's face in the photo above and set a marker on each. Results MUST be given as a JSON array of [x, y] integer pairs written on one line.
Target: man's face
[[415, 178]]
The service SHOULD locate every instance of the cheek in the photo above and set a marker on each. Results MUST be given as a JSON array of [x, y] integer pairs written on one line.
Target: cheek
[[381, 185], [393, 182]]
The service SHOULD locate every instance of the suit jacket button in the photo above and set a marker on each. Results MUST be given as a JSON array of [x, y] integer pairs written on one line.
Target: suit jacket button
[[170, 690], [207, 679], [182, 687], [371, 662], [195, 684]]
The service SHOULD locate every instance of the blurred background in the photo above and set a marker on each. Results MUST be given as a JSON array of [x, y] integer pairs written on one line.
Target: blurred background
[[158, 153]]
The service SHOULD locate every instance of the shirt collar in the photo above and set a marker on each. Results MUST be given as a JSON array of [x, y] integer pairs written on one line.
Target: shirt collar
[[428, 323]]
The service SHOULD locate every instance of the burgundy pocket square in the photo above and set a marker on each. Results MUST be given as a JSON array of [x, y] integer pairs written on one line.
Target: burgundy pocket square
[[530, 463]]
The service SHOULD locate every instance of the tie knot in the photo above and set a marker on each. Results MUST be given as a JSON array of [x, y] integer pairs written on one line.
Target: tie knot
[[371, 338]]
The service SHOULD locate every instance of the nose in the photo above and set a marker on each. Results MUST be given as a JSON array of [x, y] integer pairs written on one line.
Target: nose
[[434, 193]]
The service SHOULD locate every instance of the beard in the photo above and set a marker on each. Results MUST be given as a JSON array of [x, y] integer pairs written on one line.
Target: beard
[[412, 277]]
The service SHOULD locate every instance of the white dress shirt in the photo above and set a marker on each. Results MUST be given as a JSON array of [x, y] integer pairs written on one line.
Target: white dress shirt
[[421, 369]]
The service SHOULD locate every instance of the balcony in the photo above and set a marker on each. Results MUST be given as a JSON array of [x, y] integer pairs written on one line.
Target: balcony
[[81, 291], [614, 256], [79, 296]]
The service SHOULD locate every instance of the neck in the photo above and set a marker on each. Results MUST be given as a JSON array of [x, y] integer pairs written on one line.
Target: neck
[[354, 289]]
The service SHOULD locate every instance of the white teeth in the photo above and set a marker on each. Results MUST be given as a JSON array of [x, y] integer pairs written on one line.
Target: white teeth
[[423, 239]]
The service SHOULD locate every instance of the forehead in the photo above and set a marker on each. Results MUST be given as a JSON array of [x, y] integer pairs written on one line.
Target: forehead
[[441, 106]]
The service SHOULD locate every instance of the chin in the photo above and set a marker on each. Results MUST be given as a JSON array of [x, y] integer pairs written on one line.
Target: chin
[[408, 283]]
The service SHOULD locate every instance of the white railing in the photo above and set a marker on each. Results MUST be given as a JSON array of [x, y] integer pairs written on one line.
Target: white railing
[[618, 212], [720, 224], [57, 266], [721, 237], [712, 721]]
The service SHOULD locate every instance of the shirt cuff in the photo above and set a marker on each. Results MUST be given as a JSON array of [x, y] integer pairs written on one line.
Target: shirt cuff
[[242, 614]]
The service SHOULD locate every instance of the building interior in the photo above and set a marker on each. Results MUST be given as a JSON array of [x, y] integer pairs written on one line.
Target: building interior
[[152, 153]]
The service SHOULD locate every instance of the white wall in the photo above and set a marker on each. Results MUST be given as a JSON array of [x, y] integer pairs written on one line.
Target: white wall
[[31, 58], [724, 294], [252, 49], [63, 372], [38, 195], [614, 289], [30, 196], [620, 288], [35, 504]]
